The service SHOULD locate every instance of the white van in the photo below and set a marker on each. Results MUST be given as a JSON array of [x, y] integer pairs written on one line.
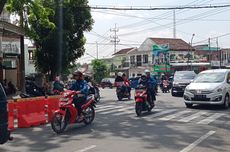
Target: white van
[[209, 87]]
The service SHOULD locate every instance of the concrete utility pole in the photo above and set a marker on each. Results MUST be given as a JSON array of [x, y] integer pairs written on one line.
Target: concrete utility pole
[[174, 24], [191, 49], [97, 49], [115, 39], [209, 52], [217, 45]]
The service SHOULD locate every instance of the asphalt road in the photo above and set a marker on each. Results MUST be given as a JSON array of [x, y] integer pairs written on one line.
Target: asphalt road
[[170, 127]]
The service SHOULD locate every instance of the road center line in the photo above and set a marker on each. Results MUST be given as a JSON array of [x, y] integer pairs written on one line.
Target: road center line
[[87, 148], [197, 142]]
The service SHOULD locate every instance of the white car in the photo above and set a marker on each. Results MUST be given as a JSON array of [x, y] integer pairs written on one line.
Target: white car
[[209, 87]]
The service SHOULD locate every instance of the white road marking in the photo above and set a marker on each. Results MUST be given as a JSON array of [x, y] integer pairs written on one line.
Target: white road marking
[[197, 142], [117, 110], [191, 117], [110, 108], [174, 115], [87, 148], [161, 113], [211, 118], [101, 106]]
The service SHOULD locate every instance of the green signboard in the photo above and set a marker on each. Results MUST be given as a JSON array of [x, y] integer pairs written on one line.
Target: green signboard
[[162, 68]]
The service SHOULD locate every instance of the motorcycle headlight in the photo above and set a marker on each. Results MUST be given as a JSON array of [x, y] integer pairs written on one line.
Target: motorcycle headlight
[[64, 99]]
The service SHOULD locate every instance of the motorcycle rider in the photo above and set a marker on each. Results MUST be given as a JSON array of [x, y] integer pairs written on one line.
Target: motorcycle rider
[[126, 83], [81, 86], [58, 86], [147, 81]]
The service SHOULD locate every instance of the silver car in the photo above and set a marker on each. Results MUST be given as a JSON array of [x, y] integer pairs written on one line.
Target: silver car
[[209, 87]]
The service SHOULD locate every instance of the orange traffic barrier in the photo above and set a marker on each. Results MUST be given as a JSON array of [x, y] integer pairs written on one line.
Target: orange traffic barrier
[[31, 112], [53, 104], [11, 115]]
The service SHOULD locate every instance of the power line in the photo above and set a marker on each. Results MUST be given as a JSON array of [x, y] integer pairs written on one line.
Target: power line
[[133, 8]]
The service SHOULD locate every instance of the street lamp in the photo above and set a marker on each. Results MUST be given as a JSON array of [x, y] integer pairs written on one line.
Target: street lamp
[[191, 47]]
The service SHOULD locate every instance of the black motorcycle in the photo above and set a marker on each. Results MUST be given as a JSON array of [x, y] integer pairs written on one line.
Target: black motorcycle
[[32, 90], [123, 92], [96, 92]]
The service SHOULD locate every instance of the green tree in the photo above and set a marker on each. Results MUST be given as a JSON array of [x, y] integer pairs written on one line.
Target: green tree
[[99, 70], [2, 4], [43, 26]]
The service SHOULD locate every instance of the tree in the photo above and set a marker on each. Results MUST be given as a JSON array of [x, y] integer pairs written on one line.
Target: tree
[[2, 4], [44, 27], [99, 70]]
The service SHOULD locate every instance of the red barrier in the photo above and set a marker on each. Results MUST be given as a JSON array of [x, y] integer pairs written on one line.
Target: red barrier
[[31, 112], [53, 104], [11, 115]]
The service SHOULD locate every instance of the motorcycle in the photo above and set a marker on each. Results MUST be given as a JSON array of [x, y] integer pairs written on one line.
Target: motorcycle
[[141, 100], [33, 90], [68, 114], [165, 87], [121, 93], [94, 90]]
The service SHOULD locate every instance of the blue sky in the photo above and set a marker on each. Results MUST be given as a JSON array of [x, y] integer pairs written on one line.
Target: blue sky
[[135, 26]]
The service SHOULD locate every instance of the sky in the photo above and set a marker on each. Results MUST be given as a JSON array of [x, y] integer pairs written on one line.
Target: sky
[[135, 26]]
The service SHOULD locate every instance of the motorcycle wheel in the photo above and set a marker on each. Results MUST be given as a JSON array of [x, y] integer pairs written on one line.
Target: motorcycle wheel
[[58, 123], [89, 115], [138, 109], [119, 97]]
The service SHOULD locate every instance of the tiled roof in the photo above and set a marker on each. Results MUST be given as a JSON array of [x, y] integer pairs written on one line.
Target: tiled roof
[[174, 44], [123, 51]]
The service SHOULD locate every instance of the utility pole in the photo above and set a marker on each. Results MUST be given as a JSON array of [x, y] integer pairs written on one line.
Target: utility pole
[[174, 24], [217, 45], [97, 49], [114, 38], [209, 52]]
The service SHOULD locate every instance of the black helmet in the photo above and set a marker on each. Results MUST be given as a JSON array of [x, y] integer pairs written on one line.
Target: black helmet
[[78, 73]]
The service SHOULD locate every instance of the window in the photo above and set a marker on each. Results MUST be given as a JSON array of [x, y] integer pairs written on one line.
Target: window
[[153, 59], [132, 59], [145, 59], [139, 63], [31, 57]]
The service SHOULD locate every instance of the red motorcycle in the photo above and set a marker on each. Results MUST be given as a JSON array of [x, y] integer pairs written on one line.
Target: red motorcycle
[[68, 114], [141, 100]]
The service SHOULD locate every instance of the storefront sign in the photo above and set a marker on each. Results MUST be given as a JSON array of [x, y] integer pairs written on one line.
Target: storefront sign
[[11, 47], [162, 68]]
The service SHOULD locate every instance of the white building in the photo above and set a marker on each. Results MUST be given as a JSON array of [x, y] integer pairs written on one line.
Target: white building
[[29, 60]]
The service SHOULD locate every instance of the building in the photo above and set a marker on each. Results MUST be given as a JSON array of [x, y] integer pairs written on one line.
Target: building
[[177, 55], [29, 60], [11, 61]]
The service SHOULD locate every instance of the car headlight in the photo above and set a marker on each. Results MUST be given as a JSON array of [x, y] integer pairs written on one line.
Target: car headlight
[[219, 90], [175, 83]]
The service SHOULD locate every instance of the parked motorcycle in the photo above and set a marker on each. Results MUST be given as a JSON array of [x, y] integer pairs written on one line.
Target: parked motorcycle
[[68, 114], [33, 90], [141, 99]]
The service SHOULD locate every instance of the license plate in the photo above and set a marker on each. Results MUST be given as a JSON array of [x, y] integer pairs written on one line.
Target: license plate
[[200, 96]]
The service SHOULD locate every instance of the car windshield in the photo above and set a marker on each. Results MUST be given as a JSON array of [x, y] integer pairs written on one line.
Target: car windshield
[[184, 75], [210, 78]]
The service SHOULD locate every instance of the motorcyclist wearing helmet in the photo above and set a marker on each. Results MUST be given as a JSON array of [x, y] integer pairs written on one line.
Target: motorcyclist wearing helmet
[[81, 86], [147, 81]]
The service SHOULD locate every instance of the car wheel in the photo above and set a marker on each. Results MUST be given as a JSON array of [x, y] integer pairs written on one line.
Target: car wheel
[[226, 102], [188, 105]]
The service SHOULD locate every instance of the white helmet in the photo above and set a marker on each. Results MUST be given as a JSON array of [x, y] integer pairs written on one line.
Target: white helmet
[[119, 74], [147, 71]]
